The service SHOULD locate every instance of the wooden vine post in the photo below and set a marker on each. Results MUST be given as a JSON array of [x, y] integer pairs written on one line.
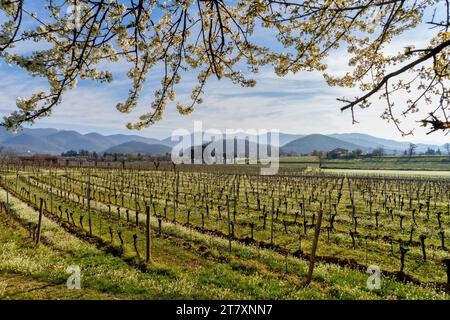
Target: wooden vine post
[[51, 192], [147, 236], [29, 188], [229, 224], [38, 231], [175, 192], [121, 187], [447, 264], [88, 196], [314, 248], [17, 178], [271, 221]]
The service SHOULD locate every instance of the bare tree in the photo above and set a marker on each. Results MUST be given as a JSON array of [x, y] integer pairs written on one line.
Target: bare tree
[[378, 152], [447, 148], [412, 149]]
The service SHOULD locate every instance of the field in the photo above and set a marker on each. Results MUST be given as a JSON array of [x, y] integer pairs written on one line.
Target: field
[[398, 163], [390, 173], [168, 232]]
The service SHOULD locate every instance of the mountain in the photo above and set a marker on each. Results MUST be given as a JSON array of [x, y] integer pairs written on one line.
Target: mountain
[[139, 147], [32, 143], [15, 149], [72, 140], [122, 138], [230, 149], [318, 142], [5, 134], [40, 132], [106, 142], [285, 138], [53, 141], [390, 146], [168, 142]]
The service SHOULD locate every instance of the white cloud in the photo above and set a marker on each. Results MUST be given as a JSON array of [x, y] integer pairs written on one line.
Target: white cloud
[[300, 103]]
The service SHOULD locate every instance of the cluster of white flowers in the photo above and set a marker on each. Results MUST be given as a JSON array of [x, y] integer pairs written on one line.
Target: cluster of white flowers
[[31, 103], [9, 7]]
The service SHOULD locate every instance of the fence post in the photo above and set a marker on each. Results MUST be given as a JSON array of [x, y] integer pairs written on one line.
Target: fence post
[[38, 235], [271, 221], [51, 192], [447, 264], [229, 224], [147, 235], [314, 248], [121, 187], [29, 189], [89, 202]]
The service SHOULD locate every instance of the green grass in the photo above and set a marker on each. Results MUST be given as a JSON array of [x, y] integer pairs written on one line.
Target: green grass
[[299, 159], [393, 172], [378, 251], [181, 269], [400, 163], [417, 163]]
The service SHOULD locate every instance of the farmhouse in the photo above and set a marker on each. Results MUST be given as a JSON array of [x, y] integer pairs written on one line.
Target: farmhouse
[[338, 153], [39, 159]]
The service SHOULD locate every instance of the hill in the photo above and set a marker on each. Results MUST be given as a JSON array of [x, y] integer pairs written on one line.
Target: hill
[[239, 148], [31, 142], [134, 147], [318, 142], [116, 139], [390, 146], [72, 140], [53, 141]]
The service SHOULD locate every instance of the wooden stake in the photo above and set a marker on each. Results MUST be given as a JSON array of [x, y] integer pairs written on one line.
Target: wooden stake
[[271, 222], [38, 235], [89, 202], [229, 224], [147, 236], [314, 248]]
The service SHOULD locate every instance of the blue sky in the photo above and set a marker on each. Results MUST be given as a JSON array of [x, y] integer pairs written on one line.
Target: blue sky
[[300, 103]]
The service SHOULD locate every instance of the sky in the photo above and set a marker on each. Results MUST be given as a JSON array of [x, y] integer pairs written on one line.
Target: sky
[[302, 103]]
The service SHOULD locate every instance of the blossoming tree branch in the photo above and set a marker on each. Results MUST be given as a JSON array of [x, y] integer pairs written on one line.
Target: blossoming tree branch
[[216, 38]]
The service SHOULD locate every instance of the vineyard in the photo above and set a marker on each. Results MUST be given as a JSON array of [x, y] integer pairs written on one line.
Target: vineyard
[[399, 224]]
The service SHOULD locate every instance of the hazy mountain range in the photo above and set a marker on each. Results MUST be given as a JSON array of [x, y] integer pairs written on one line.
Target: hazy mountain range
[[53, 141]]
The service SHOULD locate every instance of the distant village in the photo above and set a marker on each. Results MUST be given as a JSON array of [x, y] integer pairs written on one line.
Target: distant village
[[81, 157], [74, 158]]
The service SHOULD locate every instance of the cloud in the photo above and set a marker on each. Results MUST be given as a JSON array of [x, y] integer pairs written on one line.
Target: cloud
[[297, 103]]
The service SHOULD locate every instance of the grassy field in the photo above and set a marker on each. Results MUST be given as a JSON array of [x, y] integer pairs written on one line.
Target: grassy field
[[400, 163], [190, 256], [399, 173], [180, 269]]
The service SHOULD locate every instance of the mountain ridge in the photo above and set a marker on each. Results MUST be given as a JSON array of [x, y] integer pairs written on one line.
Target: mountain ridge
[[138, 147], [54, 141], [319, 142]]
